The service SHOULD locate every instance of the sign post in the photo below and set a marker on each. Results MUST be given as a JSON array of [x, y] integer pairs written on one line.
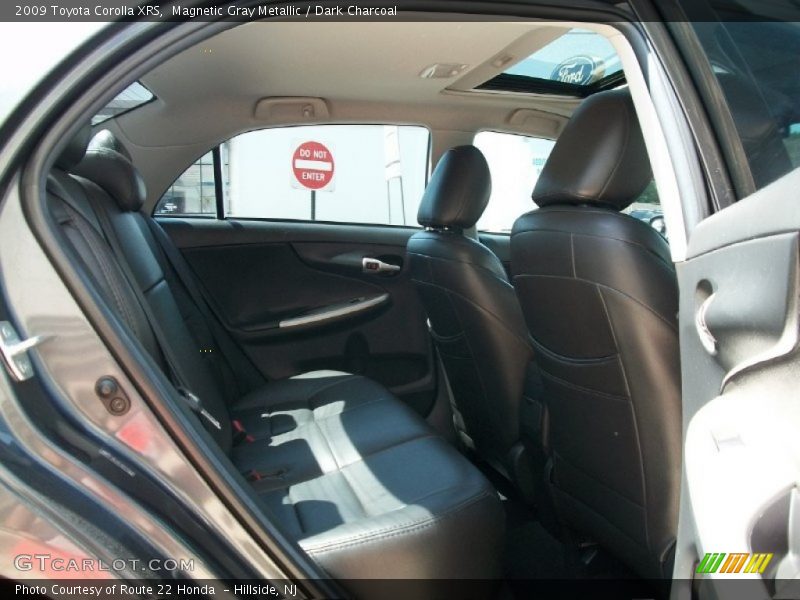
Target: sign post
[[313, 168]]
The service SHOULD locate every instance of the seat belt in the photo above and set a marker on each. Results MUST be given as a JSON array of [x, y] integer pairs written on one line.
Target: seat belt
[[239, 364], [179, 380]]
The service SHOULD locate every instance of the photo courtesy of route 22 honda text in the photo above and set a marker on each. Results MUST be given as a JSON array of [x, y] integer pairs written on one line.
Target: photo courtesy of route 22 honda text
[[451, 299]]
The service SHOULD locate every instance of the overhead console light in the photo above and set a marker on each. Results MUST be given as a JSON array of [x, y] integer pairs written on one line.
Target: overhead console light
[[291, 110], [442, 71]]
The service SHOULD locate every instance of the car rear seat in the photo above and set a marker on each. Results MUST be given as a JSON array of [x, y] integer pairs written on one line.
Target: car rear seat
[[359, 480]]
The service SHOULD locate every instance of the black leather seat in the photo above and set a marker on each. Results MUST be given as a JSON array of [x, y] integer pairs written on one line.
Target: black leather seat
[[475, 318], [600, 298], [349, 472]]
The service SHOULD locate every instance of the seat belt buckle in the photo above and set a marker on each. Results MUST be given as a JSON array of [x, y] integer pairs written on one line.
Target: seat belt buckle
[[240, 433]]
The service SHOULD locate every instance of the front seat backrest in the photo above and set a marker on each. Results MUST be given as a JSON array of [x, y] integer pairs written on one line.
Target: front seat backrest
[[599, 295], [474, 315]]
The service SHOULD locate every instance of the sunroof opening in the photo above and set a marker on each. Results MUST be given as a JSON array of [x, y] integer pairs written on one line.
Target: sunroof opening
[[578, 63], [131, 97]]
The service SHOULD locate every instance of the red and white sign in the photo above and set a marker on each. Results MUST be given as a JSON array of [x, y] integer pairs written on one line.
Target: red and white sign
[[312, 165]]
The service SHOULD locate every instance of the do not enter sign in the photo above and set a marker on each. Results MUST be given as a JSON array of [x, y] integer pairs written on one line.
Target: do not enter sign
[[312, 164]]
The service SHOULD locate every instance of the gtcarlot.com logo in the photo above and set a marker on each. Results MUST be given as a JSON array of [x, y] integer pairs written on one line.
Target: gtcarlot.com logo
[[46, 563]]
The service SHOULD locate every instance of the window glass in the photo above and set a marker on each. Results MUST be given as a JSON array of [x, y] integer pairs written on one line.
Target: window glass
[[576, 63], [756, 63], [647, 208], [515, 162], [194, 192], [579, 57], [131, 97], [344, 173]]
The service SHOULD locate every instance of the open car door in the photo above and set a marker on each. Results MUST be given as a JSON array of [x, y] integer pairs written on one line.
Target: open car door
[[739, 532]]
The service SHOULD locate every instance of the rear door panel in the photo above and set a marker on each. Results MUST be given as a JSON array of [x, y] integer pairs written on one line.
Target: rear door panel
[[740, 340], [296, 298]]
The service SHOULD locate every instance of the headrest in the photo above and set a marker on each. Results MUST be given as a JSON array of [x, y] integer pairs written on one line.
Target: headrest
[[72, 154], [599, 158], [107, 163], [106, 139], [458, 191]]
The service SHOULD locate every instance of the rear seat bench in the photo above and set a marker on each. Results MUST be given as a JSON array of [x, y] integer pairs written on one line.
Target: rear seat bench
[[349, 472]]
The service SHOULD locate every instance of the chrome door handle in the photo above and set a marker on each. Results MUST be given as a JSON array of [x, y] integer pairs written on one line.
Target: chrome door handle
[[377, 267]]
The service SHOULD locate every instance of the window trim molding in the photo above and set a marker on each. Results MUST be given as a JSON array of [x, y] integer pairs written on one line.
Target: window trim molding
[[216, 156]]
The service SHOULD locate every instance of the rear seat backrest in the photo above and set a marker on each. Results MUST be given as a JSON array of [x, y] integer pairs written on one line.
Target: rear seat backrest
[[77, 199], [69, 205], [70, 208]]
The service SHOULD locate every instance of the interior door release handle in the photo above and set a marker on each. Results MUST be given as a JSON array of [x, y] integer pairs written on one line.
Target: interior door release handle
[[707, 339], [378, 267]]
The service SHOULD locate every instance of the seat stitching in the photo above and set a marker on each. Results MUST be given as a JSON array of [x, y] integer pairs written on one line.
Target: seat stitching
[[296, 512], [606, 287], [622, 154], [599, 482], [390, 532], [350, 409], [479, 372], [325, 388], [572, 254], [661, 261], [329, 446], [581, 362], [614, 338], [464, 262], [480, 308], [363, 457], [355, 493], [104, 266], [580, 388], [315, 419], [315, 422], [267, 407], [633, 408]]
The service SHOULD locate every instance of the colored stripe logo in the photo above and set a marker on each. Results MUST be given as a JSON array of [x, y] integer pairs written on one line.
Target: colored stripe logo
[[737, 562]]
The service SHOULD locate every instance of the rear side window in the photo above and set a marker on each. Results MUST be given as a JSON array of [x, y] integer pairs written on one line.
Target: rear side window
[[515, 162], [372, 174]]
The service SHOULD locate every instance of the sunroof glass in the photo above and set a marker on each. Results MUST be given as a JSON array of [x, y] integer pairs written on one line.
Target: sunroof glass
[[131, 97], [579, 57]]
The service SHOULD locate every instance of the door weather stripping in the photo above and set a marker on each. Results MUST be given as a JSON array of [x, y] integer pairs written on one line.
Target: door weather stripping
[[15, 351]]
